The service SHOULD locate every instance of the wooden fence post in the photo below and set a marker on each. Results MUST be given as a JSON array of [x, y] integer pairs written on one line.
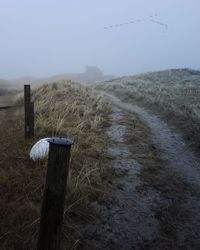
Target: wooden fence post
[[32, 119], [54, 194], [28, 112]]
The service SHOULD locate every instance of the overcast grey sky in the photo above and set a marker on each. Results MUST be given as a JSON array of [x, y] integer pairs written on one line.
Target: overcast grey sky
[[47, 37]]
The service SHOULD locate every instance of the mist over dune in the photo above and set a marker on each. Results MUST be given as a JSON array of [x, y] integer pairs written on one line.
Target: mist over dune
[[90, 75], [45, 38]]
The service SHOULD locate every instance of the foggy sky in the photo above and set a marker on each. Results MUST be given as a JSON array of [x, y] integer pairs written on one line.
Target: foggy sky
[[48, 37]]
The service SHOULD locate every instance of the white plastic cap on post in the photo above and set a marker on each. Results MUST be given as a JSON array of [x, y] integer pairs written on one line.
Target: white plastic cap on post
[[40, 150]]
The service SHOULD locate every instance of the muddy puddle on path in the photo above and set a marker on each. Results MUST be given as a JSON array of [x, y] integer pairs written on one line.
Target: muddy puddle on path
[[125, 219]]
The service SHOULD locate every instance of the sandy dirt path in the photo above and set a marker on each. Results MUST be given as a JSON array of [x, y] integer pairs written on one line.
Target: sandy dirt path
[[162, 218], [179, 203], [125, 219], [171, 145]]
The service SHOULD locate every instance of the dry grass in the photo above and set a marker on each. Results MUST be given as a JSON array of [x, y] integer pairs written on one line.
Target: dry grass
[[62, 108], [173, 94]]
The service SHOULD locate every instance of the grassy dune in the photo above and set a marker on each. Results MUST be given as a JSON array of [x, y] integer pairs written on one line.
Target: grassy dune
[[174, 94], [63, 108]]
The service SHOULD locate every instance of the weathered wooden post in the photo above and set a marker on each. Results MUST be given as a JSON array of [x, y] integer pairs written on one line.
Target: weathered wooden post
[[32, 119], [28, 112], [54, 194]]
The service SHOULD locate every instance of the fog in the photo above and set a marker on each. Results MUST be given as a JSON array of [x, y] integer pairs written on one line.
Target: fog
[[48, 37]]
